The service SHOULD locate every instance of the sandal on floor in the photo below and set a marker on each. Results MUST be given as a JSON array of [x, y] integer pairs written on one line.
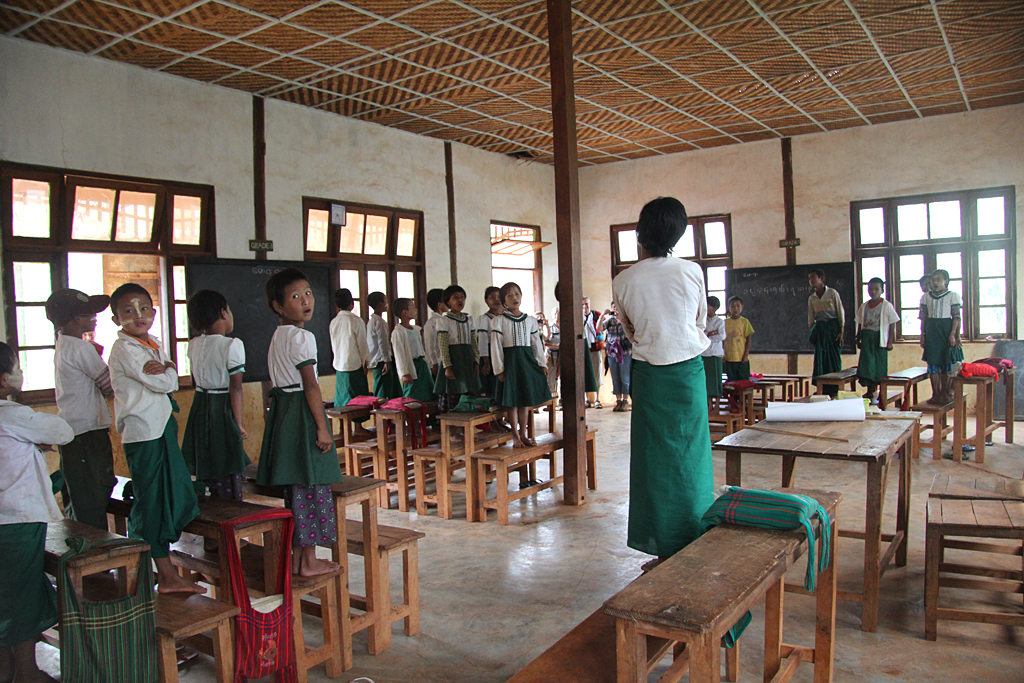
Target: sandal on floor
[[597, 405]]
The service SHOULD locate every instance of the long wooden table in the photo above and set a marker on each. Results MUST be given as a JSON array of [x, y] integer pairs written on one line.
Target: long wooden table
[[872, 442]]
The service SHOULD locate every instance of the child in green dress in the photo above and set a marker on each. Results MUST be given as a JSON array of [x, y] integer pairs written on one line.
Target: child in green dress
[[876, 330], [940, 336], [407, 343], [460, 356]]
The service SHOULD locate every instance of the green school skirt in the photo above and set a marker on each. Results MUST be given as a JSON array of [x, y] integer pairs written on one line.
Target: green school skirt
[[713, 375], [422, 388], [873, 363], [736, 370], [29, 601], [165, 500], [212, 445], [88, 467], [348, 385], [525, 382], [671, 478], [590, 384], [466, 381], [289, 455], [387, 386], [827, 351], [937, 351]]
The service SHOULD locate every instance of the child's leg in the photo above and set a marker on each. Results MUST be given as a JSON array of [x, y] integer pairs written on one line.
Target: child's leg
[[28, 603], [168, 579], [524, 426], [315, 524], [935, 380]]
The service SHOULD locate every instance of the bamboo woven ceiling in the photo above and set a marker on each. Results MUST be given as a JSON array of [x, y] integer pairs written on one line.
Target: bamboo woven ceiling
[[652, 76]]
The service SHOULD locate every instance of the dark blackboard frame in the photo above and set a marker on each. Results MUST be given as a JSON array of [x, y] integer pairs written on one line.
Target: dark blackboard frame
[[242, 282], [1010, 349], [775, 303]]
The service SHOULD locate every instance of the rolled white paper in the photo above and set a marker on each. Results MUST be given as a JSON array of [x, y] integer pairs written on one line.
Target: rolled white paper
[[843, 410]]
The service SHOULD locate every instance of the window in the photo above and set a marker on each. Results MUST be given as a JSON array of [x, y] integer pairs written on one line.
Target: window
[[94, 233], [970, 234], [707, 241], [515, 258], [377, 249]]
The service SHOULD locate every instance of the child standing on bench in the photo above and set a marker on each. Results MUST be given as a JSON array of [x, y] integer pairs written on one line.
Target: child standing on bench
[[713, 355], [82, 382], [386, 384], [212, 444], [876, 323], [143, 379], [26, 506], [460, 358], [940, 336], [408, 345], [351, 354], [431, 351], [517, 354], [483, 343], [298, 449], [825, 320], [738, 331]]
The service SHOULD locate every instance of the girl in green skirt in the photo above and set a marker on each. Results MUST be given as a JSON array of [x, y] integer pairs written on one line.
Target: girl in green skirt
[[212, 445], [460, 356], [408, 347], [483, 331], [517, 354], [876, 329], [940, 321]]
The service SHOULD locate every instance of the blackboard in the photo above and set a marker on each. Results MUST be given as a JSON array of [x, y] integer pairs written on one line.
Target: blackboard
[[242, 284], [775, 303], [1011, 349]]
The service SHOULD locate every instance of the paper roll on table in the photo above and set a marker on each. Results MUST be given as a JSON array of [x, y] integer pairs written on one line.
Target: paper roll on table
[[844, 410]]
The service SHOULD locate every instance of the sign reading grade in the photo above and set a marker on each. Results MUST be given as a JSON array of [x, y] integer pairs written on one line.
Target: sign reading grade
[[261, 245], [795, 242]]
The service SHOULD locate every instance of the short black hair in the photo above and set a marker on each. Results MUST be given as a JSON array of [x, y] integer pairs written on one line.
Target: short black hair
[[506, 288], [376, 299], [943, 272], [399, 305], [126, 290], [490, 290], [434, 297], [817, 271], [343, 299], [662, 222], [877, 281], [713, 302], [204, 309], [277, 283], [735, 298], [7, 359], [450, 291]]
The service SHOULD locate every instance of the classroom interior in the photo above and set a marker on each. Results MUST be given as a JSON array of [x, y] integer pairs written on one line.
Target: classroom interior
[[84, 93]]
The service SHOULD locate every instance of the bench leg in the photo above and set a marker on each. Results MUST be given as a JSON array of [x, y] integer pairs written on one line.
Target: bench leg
[[772, 631], [825, 620], [442, 477], [788, 470], [332, 637], [420, 474], [299, 640], [981, 422], [344, 608], [592, 464], [705, 659], [631, 653], [873, 546], [168, 660], [502, 485], [224, 652], [411, 585], [732, 663], [932, 557]]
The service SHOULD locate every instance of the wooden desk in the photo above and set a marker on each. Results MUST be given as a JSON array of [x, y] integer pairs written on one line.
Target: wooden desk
[[397, 449], [467, 422], [745, 400], [971, 488], [907, 380], [837, 379], [801, 386], [348, 417], [872, 442], [984, 418], [916, 416], [123, 557]]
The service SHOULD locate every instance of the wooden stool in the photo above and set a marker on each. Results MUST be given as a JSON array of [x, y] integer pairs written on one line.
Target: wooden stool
[[976, 519], [984, 419], [328, 586], [434, 461], [940, 427], [730, 422], [180, 618]]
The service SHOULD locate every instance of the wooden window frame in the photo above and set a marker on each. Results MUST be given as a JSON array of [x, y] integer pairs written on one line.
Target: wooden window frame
[[968, 244], [59, 244], [701, 257], [538, 263]]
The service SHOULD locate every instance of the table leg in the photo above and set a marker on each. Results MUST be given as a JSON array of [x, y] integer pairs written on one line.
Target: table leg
[[168, 660], [733, 468], [705, 658], [472, 494], [959, 420], [773, 629], [903, 502], [788, 470], [981, 422], [470, 441], [631, 652], [379, 633], [872, 546], [339, 553], [825, 607], [1011, 409], [380, 461], [402, 464], [223, 652], [883, 391]]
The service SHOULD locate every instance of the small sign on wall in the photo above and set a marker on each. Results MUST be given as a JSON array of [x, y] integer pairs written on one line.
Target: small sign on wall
[[338, 214], [789, 243], [261, 245]]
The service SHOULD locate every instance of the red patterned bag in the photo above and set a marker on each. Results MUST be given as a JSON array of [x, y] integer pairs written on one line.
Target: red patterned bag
[[372, 401]]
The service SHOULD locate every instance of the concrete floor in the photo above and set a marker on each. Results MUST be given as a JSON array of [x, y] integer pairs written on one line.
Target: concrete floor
[[493, 598]]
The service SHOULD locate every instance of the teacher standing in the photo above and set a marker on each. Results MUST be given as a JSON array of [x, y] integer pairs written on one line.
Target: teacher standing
[[663, 305]]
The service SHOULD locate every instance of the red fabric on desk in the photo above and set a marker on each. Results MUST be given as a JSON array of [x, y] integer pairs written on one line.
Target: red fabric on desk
[[978, 370], [416, 413]]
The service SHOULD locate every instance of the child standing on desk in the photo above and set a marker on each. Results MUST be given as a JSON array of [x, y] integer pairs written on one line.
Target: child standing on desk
[[143, 379], [26, 505], [298, 449], [351, 355], [712, 356], [876, 322], [737, 342], [825, 319], [212, 445], [431, 351], [386, 384], [408, 346], [483, 343], [940, 336], [460, 358], [517, 354]]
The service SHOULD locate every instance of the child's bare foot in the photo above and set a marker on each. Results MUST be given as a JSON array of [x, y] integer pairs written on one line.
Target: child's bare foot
[[172, 583], [527, 441], [315, 566], [516, 442]]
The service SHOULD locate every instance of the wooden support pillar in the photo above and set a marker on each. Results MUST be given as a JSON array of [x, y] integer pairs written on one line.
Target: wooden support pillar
[[259, 173], [449, 183], [567, 227], [790, 218]]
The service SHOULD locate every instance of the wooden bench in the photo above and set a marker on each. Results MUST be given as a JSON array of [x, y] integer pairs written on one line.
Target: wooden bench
[[744, 399], [730, 422], [797, 386], [697, 595], [390, 541], [837, 379], [940, 427], [507, 458], [984, 419], [391, 460], [907, 381], [433, 461]]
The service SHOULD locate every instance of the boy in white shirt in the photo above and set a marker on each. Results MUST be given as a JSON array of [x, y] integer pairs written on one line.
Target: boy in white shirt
[[29, 603], [431, 350], [82, 382], [143, 379], [417, 382], [386, 383], [714, 354], [351, 354]]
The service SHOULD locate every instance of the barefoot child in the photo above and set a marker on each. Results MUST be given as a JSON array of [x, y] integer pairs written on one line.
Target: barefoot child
[[351, 354], [82, 389], [407, 343], [517, 354], [431, 351], [212, 445], [483, 344], [298, 449], [876, 323], [143, 379], [940, 336], [29, 603], [460, 356], [738, 331], [712, 356], [386, 384]]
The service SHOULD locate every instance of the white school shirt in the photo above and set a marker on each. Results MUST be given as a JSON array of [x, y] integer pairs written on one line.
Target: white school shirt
[[459, 331], [828, 306], [377, 340], [348, 341], [665, 301], [291, 348], [408, 347], [25, 490], [77, 368], [878, 319], [483, 334], [715, 332], [431, 351], [940, 306], [213, 358], [508, 331], [141, 405]]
